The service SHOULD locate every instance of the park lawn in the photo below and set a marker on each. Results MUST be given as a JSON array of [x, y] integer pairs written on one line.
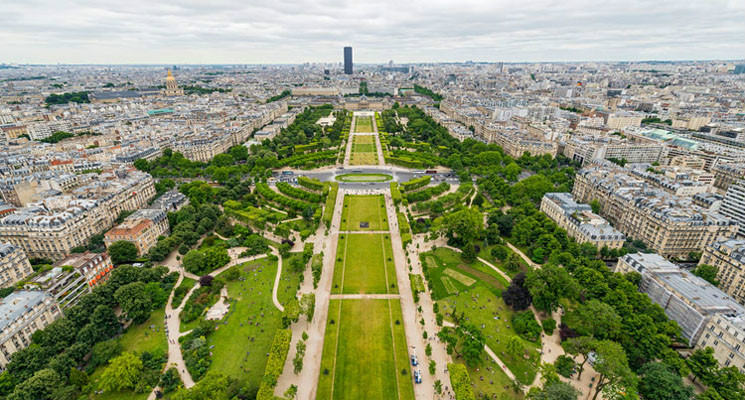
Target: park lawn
[[363, 148], [485, 253], [363, 124], [328, 359], [359, 361], [367, 265], [363, 159], [481, 307], [148, 336], [495, 384], [364, 208], [245, 335], [444, 282], [299, 225], [363, 177], [364, 139]]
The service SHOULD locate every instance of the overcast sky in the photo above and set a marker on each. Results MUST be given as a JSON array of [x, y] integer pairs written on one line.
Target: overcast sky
[[295, 31]]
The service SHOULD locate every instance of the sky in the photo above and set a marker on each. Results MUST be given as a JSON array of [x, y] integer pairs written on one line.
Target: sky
[[298, 31]]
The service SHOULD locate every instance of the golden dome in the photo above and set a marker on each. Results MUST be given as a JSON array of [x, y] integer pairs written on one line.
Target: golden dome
[[170, 76]]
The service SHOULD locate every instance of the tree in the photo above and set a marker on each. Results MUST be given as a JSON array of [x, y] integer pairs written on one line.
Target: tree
[[473, 343], [170, 380], [517, 295], [555, 391], [703, 364], [515, 347], [39, 386], [122, 252], [513, 262], [134, 301], [549, 284], [511, 171], [613, 366], [291, 392], [157, 295], [661, 382], [308, 305], [564, 366], [708, 273], [195, 262], [462, 225], [525, 325], [122, 373], [213, 386], [598, 319], [579, 346]]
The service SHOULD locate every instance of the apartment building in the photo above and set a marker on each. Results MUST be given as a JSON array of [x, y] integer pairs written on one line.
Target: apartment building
[[725, 333], [74, 276], [587, 148], [14, 265], [733, 205], [51, 228], [21, 314], [728, 256], [687, 299], [621, 119], [580, 222], [672, 225], [142, 228], [727, 174]]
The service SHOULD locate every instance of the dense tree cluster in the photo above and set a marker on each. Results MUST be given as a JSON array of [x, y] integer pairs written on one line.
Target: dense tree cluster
[[70, 97], [46, 366]]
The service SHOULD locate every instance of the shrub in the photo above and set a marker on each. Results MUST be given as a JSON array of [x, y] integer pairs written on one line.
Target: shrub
[[526, 326], [461, 382]]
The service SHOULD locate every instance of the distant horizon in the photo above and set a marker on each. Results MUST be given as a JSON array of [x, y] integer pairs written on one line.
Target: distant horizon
[[260, 32], [165, 64]]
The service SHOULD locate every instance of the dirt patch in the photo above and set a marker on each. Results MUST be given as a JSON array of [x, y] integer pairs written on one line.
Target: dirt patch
[[483, 276]]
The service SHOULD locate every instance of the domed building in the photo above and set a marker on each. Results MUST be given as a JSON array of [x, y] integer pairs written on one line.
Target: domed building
[[172, 88]]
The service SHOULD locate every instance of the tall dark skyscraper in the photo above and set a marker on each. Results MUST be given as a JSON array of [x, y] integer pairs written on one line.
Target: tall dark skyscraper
[[348, 60]]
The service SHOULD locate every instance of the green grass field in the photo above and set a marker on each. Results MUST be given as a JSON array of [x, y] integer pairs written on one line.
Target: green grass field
[[448, 274], [495, 383], [148, 336], [245, 335], [366, 265], [364, 151], [490, 311], [363, 124], [365, 352], [363, 177], [364, 208]]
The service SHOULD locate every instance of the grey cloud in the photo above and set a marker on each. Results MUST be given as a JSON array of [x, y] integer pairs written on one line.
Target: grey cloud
[[292, 31]]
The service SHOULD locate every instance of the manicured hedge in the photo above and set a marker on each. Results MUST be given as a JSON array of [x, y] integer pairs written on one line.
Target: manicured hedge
[[316, 267], [416, 183], [428, 193], [404, 229], [447, 200], [318, 158], [299, 194], [266, 192], [395, 193], [328, 211], [275, 364], [461, 382], [310, 183]]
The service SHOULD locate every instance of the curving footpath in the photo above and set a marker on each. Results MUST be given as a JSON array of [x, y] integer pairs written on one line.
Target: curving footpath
[[173, 319]]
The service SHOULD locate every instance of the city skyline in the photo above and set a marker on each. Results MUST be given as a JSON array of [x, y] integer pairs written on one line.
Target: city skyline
[[293, 33]]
